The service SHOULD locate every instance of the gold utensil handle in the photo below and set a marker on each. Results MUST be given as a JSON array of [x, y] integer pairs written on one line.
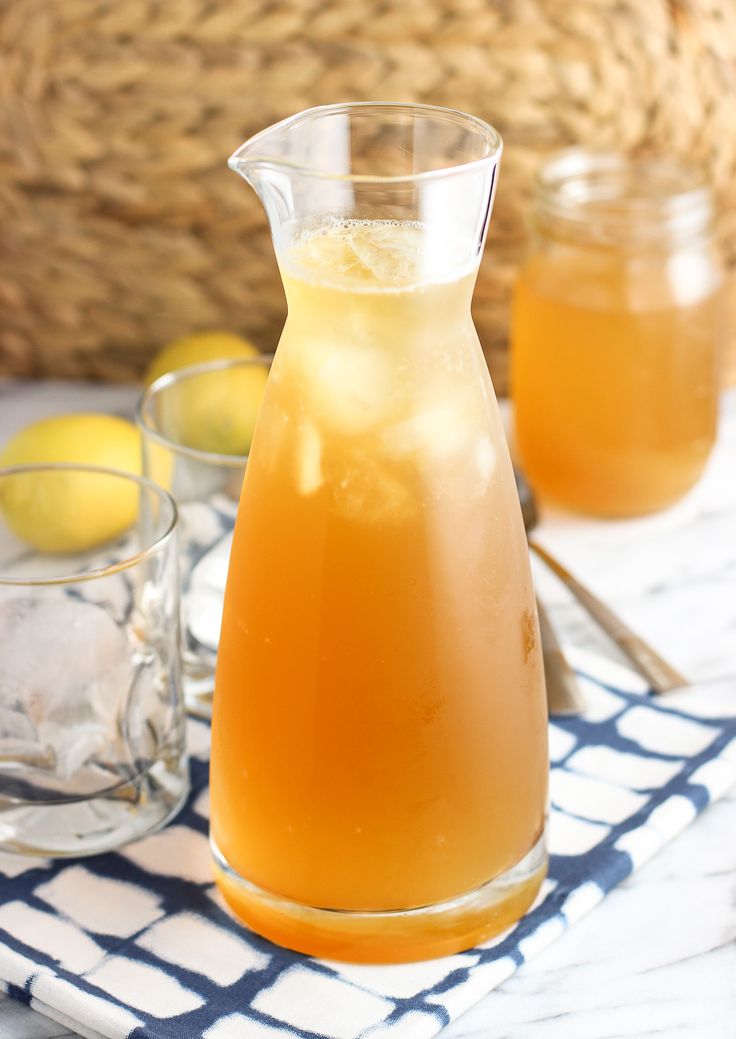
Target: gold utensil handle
[[660, 675], [563, 692]]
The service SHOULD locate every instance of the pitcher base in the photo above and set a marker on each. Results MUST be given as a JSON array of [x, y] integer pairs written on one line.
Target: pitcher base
[[396, 936]]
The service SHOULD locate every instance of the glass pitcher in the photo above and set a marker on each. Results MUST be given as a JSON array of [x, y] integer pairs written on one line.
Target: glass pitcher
[[379, 762]]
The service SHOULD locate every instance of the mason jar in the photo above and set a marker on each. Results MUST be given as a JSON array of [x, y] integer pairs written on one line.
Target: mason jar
[[615, 329]]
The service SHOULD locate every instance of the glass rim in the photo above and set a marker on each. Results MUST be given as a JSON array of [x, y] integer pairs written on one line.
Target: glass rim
[[489, 133], [577, 184], [140, 556], [145, 422]]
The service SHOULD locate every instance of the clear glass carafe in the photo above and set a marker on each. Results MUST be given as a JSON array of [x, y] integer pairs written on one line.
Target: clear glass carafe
[[379, 763]]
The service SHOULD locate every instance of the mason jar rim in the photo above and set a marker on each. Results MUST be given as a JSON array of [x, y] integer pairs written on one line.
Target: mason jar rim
[[611, 198]]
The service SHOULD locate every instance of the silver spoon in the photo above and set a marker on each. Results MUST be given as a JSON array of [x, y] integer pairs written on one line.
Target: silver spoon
[[564, 695], [661, 676]]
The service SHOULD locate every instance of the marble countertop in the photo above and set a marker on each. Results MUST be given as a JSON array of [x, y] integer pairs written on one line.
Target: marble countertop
[[658, 957]]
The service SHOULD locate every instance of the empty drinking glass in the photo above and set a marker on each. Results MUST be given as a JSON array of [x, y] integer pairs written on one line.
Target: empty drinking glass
[[91, 715], [196, 426]]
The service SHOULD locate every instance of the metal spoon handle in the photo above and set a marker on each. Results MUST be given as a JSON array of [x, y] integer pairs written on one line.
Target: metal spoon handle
[[563, 692], [660, 675]]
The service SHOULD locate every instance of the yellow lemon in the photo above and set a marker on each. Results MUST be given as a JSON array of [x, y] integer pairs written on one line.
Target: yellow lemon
[[197, 349], [68, 511], [217, 411]]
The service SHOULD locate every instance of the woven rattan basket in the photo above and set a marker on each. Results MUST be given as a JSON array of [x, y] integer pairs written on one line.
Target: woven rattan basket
[[122, 227]]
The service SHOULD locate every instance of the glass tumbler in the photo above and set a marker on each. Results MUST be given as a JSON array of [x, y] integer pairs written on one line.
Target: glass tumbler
[[91, 715], [196, 424]]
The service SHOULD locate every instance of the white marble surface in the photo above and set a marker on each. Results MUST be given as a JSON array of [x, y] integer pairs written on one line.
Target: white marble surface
[[658, 957]]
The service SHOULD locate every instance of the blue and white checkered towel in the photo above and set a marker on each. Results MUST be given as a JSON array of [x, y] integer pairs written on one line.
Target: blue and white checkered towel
[[138, 943]]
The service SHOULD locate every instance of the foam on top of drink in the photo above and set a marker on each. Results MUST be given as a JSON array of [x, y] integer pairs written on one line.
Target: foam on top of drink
[[383, 255]]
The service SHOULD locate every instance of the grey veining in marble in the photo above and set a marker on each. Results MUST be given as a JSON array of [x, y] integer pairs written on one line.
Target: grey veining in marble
[[658, 957]]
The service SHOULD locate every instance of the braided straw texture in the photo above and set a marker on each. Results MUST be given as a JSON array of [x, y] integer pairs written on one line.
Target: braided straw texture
[[121, 226]]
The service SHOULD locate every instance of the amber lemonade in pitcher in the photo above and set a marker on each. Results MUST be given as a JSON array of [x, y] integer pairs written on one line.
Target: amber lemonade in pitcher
[[379, 735]]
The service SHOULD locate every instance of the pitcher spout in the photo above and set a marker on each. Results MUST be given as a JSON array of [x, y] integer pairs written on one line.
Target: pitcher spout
[[267, 162], [291, 166], [267, 149], [371, 161]]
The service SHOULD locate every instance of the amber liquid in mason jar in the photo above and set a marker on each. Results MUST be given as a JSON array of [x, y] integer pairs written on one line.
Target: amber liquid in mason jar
[[614, 354]]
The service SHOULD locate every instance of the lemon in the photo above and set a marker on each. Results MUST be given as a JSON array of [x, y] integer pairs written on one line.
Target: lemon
[[197, 349], [68, 511], [216, 411]]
